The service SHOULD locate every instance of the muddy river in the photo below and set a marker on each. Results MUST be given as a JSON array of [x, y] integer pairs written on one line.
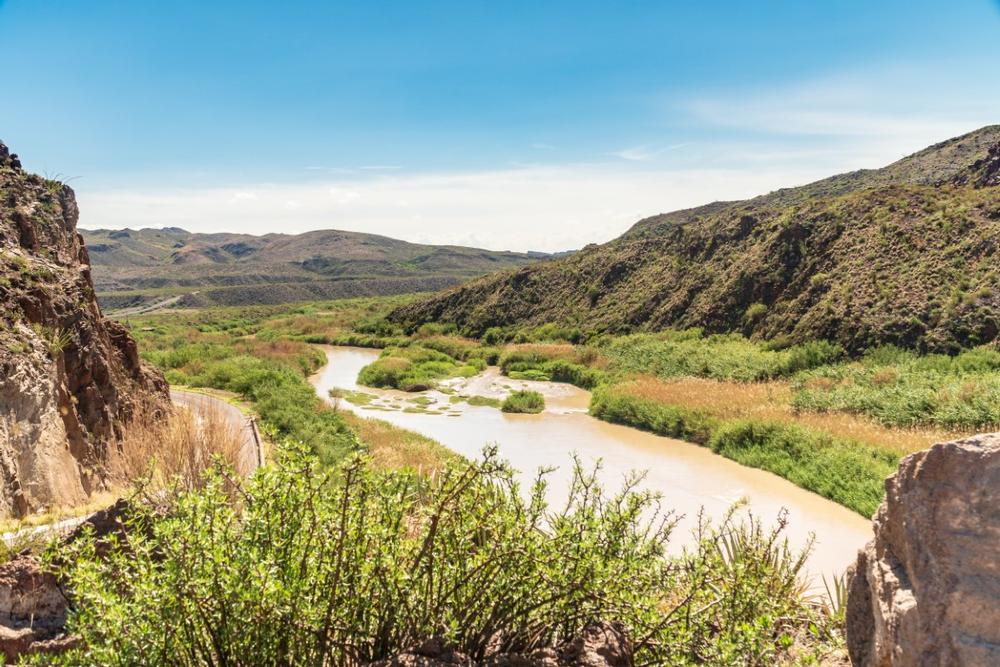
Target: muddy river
[[690, 477]]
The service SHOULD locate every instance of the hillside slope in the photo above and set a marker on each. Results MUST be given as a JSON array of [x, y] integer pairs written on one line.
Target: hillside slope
[[136, 265], [905, 255], [69, 378]]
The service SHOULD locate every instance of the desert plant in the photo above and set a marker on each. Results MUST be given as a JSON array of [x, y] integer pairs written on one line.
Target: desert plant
[[317, 566]]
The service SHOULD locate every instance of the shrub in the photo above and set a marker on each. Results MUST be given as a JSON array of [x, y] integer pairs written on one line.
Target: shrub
[[415, 368], [349, 566], [530, 402]]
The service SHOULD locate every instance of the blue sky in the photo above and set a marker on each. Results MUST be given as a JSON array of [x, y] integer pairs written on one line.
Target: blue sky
[[517, 125]]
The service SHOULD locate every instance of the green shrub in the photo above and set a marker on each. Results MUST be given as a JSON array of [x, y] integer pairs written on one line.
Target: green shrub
[[415, 368], [611, 405], [846, 472], [525, 401], [345, 567]]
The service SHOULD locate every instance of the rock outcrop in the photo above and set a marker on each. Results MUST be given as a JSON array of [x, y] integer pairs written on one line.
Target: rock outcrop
[[69, 379], [599, 645], [926, 591]]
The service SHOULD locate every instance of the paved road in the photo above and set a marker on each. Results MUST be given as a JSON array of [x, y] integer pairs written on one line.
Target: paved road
[[192, 400], [249, 455]]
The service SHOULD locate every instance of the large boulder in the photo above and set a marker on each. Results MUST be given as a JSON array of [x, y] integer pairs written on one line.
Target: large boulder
[[926, 591]]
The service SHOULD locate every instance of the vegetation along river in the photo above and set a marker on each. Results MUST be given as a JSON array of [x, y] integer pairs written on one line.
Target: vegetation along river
[[690, 477]]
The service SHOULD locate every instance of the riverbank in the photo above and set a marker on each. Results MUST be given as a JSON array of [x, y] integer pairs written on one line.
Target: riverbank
[[692, 479]]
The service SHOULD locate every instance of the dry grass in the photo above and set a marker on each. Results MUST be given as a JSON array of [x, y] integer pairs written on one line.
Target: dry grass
[[288, 352], [575, 354], [396, 448], [176, 449], [771, 401]]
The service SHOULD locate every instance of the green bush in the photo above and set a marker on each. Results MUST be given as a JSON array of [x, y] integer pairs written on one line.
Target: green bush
[[303, 565], [530, 402], [673, 421], [846, 472], [415, 368]]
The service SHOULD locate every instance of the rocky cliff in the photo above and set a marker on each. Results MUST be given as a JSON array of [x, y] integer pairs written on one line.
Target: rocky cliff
[[926, 591], [69, 379]]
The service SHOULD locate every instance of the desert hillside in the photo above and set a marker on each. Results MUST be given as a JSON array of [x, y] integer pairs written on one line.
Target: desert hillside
[[69, 378], [904, 255], [133, 267]]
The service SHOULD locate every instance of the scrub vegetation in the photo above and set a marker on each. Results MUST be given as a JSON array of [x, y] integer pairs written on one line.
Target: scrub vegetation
[[305, 563], [524, 401]]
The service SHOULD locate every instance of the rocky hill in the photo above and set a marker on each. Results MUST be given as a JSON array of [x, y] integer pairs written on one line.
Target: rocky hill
[[905, 254], [69, 378], [136, 266]]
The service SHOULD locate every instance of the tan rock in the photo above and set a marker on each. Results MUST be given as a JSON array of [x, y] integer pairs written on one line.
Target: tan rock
[[69, 378], [926, 591]]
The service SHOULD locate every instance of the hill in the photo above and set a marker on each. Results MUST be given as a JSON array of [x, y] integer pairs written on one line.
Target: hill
[[905, 254], [133, 267]]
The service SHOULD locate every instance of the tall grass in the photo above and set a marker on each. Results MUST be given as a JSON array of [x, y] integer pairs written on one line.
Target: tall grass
[[674, 354], [415, 368], [176, 449], [899, 388], [315, 566], [846, 471]]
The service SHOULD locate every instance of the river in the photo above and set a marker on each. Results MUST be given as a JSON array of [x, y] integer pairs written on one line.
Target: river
[[690, 477]]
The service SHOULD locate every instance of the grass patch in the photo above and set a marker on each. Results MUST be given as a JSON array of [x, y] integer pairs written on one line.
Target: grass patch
[[523, 401], [415, 368], [484, 401], [672, 354], [899, 388], [359, 398], [846, 471]]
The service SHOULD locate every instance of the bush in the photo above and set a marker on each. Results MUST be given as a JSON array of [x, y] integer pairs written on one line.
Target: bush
[[415, 368], [345, 567], [530, 402]]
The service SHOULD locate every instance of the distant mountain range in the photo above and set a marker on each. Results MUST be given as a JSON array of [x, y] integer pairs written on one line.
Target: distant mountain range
[[137, 269], [906, 254]]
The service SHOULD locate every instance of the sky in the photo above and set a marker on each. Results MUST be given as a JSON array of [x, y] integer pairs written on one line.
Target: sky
[[507, 125]]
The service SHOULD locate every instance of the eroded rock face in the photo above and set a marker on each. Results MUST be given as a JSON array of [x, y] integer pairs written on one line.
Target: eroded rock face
[[926, 591], [599, 645], [69, 378]]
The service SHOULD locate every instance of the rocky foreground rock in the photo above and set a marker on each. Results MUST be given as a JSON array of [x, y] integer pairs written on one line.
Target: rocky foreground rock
[[69, 379], [926, 591]]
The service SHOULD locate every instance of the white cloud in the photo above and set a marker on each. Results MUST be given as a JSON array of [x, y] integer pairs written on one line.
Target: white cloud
[[533, 208], [635, 154], [751, 142]]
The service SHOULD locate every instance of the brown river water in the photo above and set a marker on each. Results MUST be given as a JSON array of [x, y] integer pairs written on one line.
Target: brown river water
[[690, 478]]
